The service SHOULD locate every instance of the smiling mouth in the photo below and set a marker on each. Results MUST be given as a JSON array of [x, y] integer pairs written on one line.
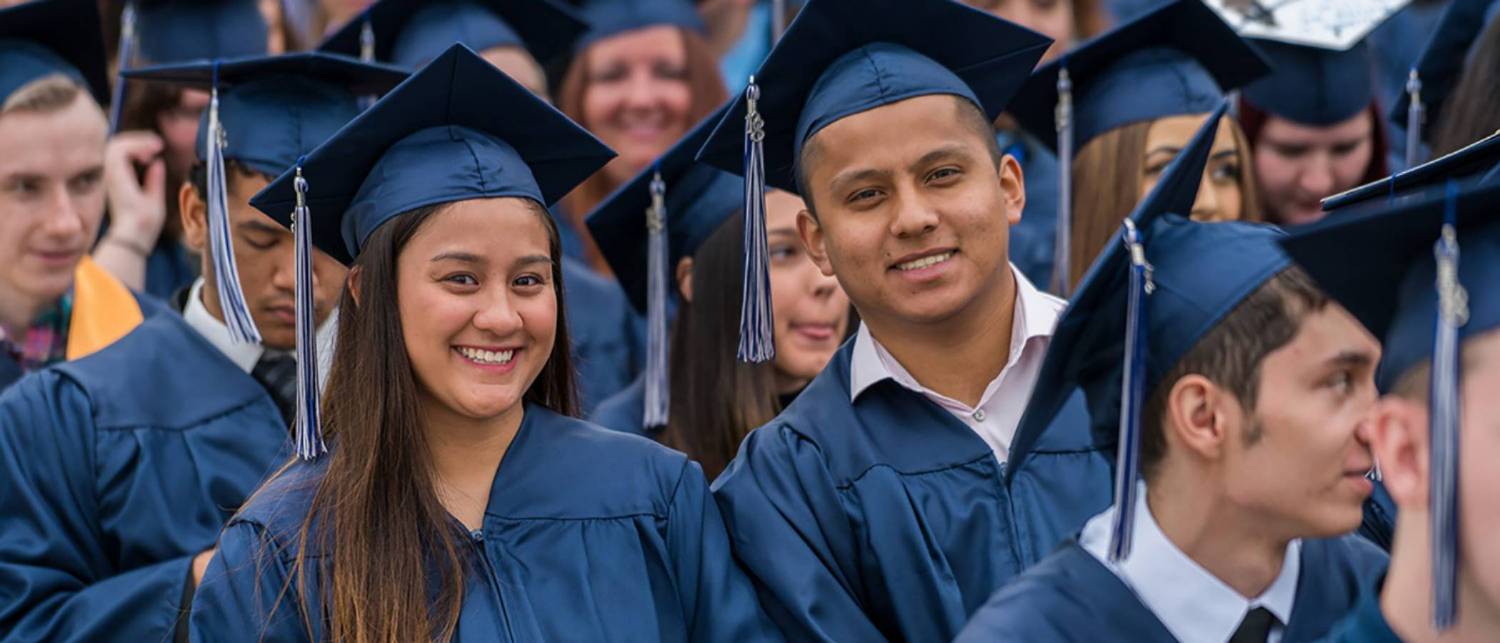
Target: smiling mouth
[[925, 262], [481, 356]]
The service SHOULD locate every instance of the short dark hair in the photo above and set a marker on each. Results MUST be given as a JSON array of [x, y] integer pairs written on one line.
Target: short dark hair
[[967, 113], [1230, 354], [198, 176]]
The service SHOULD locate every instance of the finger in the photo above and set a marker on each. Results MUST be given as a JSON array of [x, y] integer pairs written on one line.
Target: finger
[[137, 146], [156, 181]]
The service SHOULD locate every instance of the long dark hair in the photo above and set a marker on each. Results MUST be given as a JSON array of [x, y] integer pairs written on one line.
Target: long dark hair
[[1470, 114], [394, 565]]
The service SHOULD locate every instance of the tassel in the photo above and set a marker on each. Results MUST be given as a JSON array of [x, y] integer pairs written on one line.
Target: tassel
[[1132, 397], [124, 56], [307, 428], [1062, 244], [1443, 491], [658, 385], [756, 341], [367, 42], [1414, 118], [220, 244]]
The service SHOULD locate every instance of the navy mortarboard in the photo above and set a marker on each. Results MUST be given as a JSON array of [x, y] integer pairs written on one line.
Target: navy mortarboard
[[1437, 72], [1423, 276], [609, 17], [429, 141], [648, 225], [1179, 58], [411, 32], [169, 31], [839, 59], [1477, 163], [46, 37]]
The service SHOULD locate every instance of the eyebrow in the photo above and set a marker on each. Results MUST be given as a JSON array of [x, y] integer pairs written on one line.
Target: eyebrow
[[950, 150], [856, 176], [533, 259], [783, 230], [1351, 358], [261, 226], [457, 255]]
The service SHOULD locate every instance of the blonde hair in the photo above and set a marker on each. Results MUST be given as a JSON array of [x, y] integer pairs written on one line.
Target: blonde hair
[[49, 93]]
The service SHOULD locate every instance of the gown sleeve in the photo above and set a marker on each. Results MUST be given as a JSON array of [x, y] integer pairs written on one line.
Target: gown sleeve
[[790, 531], [57, 579], [716, 596], [245, 594]]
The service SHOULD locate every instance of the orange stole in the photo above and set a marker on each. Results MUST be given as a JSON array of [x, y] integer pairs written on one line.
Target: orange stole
[[104, 310]]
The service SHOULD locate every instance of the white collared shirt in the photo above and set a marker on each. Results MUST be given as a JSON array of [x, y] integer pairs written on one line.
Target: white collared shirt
[[246, 355], [999, 410], [1193, 604]]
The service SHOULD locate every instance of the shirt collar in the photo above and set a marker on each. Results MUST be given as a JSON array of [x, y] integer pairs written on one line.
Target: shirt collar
[[1035, 316], [1192, 603], [196, 315]]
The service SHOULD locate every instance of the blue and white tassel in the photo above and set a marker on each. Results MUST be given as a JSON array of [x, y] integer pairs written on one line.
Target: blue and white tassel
[[1132, 397], [658, 384], [757, 343], [124, 55], [307, 428], [220, 243], [1062, 245], [366, 41], [1414, 118], [1453, 313]]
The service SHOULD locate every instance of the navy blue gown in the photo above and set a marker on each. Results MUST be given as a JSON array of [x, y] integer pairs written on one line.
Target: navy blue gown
[[115, 470], [589, 535], [1366, 624], [1071, 596], [608, 336], [1032, 241], [624, 411], [888, 518]]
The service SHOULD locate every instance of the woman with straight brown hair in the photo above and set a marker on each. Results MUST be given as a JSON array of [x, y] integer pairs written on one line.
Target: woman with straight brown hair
[[457, 498], [640, 78]]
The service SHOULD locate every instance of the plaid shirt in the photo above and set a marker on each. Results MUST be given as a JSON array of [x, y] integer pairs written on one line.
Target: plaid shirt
[[45, 341]]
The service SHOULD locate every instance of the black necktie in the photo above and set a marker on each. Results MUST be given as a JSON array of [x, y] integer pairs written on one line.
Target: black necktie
[[277, 373], [1256, 627]]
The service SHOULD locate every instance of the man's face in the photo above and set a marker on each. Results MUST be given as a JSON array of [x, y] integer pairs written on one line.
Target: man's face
[[51, 196], [263, 253], [913, 215], [1301, 457], [1479, 477]]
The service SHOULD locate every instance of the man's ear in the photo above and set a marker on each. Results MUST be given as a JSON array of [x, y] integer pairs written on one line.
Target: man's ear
[[352, 283], [194, 214], [810, 230], [1013, 187], [685, 279], [1197, 416], [1400, 444]]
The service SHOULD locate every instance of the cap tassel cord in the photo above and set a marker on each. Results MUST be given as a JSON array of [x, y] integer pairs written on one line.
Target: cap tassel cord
[[1414, 118], [1062, 243], [1444, 417], [1132, 396], [308, 429], [124, 55], [658, 385], [367, 54], [221, 246], [756, 340]]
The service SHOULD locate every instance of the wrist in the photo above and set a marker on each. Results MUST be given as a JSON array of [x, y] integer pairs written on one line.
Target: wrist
[[135, 247]]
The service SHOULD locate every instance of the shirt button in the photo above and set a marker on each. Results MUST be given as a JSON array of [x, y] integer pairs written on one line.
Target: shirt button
[[979, 415]]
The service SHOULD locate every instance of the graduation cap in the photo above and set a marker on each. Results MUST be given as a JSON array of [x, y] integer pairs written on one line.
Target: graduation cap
[[456, 130], [610, 17], [840, 58], [1179, 58], [45, 37], [1161, 284], [1476, 163], [649, 224], [264, 113], [411, 32], [1313, 86], [1422, 276], [168, 31], [1325, 24], [1437, 70]]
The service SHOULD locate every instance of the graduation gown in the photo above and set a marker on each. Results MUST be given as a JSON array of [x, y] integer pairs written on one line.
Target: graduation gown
[[1071, 596], [1032, 241], [608, 342], [589, 535], [115, 470], [889, 518], [1366, 624], [1378, 525], [169, 268], [624, 411]]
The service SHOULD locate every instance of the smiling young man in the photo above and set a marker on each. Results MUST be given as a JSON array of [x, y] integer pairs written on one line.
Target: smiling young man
[[118, 470], [875, 506], [1246, 395], [1412, 272]]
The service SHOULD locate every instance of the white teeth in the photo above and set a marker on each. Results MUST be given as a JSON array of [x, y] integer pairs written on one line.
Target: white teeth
[[487, 357], [918, 264]]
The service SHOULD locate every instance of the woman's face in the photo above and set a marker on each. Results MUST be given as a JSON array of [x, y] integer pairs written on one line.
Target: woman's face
[[520, 66], [1220, 196], [1297, 165], [478, 306], [179, 130], [810, 310], [637, 97], [1051, 18]]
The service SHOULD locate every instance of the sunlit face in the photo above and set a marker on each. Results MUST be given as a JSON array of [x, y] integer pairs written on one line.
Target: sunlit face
[[264, 260], [478, 306], [1051, 18], [338, 12], [1297, 166], [810, 310], [179, 130], [1315, 395], [1219, 195], [520, 66], [1479, 478], [912, 213], [637, 98], [51, 197]]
